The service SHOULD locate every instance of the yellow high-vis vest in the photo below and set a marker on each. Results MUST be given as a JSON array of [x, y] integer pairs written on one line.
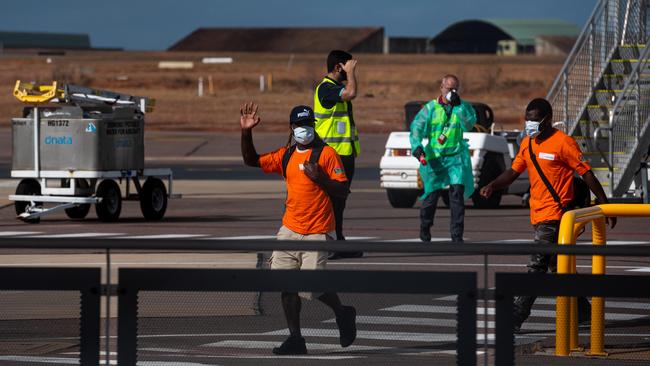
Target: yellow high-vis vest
[[334, 125]]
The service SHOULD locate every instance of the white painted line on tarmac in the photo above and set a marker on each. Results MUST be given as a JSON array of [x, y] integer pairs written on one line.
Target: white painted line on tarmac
[[310, 346], [18, 233], [641, 269], [164, 236], [329, 347], [435, 322], [616, 242], [34, 359], [414, 240], [395, 336], [490, 311], [609, 304], [245, 237], [75, 235]]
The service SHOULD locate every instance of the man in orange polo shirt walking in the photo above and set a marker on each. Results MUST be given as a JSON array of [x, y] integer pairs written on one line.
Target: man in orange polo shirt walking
[[558, 156], [313, 173]]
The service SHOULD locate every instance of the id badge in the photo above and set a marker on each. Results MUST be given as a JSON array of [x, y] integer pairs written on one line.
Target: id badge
[[341, 127], [442, 138]]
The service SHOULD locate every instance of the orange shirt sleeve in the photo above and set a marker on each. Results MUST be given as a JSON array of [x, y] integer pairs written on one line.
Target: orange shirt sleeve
[[272, 162], [519, 163], [332, 165], [572, 156]]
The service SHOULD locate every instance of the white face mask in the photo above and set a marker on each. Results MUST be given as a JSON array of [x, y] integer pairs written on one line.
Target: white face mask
[[532, 128], [303, 135]]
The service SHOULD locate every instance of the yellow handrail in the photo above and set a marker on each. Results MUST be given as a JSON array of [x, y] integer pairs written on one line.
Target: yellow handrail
[[36, 94], [566, 331]]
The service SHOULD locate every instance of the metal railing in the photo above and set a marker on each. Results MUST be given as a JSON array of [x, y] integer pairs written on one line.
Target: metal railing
[[84, 280], [628, 126], [509, 285], [504, 331], [611, 24], [566, 334]]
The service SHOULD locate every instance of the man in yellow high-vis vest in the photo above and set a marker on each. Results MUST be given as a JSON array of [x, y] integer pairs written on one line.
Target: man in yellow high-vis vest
[[335, 123]]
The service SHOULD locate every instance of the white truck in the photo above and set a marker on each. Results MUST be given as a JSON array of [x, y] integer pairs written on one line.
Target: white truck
[[491, 153]]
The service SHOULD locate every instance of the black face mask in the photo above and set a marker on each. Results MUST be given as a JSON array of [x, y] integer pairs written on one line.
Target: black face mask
[[453, 98]]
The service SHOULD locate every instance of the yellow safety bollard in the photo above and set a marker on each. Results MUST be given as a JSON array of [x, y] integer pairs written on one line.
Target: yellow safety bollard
[[565, 237], [598, 303], [574, 342]]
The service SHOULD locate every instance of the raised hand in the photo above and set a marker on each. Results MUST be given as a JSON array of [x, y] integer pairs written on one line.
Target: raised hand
[[248, 116], [349, 66]]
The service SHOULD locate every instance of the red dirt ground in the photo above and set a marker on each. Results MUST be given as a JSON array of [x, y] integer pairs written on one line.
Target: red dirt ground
[[386, 83]]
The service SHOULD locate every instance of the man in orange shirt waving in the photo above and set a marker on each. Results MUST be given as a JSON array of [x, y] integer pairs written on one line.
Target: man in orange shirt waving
[[558, 156], [313, 173]]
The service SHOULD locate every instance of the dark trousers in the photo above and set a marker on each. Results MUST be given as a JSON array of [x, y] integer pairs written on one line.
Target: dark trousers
[[338, 204], [456, 206], [545, 233]]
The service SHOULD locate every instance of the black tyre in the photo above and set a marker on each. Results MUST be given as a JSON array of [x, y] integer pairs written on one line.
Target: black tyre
[[493, 166], [153, 199], [111, 205], [29, 187], [402, 198], [79, 211]]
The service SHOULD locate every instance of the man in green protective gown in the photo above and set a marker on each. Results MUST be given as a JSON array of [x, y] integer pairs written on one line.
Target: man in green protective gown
[[437, 141]]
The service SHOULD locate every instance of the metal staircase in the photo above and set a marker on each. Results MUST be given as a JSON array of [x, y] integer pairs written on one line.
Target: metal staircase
[[603, 94]]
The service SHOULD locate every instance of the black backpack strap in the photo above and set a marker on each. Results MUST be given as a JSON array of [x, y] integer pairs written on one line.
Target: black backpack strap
[[285, 159], [315, 153], [317, 149], [541, 175]]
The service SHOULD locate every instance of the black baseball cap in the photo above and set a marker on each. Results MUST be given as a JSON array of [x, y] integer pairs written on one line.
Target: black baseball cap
[[300, 114]]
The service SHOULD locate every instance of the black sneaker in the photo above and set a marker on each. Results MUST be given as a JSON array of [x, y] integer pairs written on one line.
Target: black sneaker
[[425, 234], [294, 345], [334, 255], [347, 323], [351, 254]]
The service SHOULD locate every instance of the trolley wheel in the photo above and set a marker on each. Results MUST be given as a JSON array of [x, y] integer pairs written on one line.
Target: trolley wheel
[[79, 211], [28, 187], [111, 205], [153, 199]]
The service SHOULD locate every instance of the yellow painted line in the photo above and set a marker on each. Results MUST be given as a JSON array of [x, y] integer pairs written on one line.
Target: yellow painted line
[[597, 153], [605, 169], [629, 60]]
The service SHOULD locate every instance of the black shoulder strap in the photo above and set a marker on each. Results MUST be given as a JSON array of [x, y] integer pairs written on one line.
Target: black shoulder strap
[[315, 153], [541, 175], [285, 159], [317, 149]]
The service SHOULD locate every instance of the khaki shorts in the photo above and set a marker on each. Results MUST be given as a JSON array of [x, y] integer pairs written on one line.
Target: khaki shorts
[[300, 260]]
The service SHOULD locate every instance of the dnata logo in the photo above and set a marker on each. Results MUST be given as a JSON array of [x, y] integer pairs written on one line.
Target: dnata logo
[[58, 140], [304, 113]]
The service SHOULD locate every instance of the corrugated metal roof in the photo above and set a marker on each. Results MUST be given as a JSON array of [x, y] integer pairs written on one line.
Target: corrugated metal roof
[[44, 40], [524, 31]]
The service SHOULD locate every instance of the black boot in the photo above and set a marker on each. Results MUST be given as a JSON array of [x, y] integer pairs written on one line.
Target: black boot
[[294, 345]]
